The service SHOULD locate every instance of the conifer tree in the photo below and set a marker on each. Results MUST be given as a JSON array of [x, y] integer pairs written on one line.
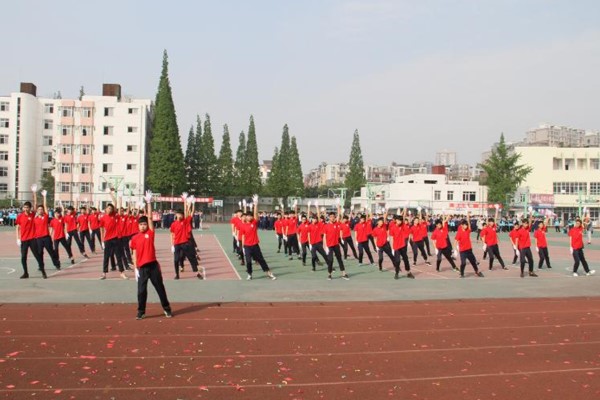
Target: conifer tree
[[208, 159], [355, 178], [226, 186], [251, 170], [296, 179], [240, 156]]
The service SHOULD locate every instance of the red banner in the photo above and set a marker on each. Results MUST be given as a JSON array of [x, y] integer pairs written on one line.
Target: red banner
[[472, 205], [180, 200]]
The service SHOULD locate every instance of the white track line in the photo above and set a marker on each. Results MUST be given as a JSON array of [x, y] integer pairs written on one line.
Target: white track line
[[228, 259]]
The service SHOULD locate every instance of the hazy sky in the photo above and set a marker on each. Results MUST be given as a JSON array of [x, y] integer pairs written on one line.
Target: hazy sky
[[413, 77]]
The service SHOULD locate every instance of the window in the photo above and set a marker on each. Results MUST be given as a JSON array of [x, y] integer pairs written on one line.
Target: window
[[131, 148], [3, 139], [569, 164], [47, 171], [66, 149], [85, 187], [131, 167], [569, 188], [46, 156], [132, 111], [3, 155], [49, 108], [437, 195], [108, 131], [3, 171], [594, 163], [65, 168], [64, 187], [86, 168], [47, 124], [4, 106], [581, 163], [47, 140], [86, 130], [450, 195], [557, 163], [66, 130], [3, 187], [104, 186], [4, 123], [67, 112], [131, 186], [468, 196], [106, 167], [108, 111], [86, 149], [86, 112], [594, 188], [131, 129], [107, 149]]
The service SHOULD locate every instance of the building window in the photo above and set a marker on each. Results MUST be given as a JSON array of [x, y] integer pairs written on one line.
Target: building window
[[108, 131], [437, 195], [64, 187], [4, 106], [47, 124], [594, 188], [86, 112], [66, 130], [86, 149], [106, 167], [86, 130], [581, 163], [65, 149], [3, 171], [557, 164], [450, 195], [131, 129], [3, 139], [3, 187], [46, 156], [132, 111], [468, 196], [108, 111], [67, 112], [594, 163], [107, 149], [49, 108], [65, 168], [4, 123], [86, 168], [47, 140], [131, 148], [3, 155], [131, 186], [131, 167], [569, 188], [569, 164], [85, 187]]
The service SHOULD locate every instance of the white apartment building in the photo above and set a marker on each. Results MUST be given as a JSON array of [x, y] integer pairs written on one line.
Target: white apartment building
[[87, 144], [432, 191], [265, 171], [561, 136]]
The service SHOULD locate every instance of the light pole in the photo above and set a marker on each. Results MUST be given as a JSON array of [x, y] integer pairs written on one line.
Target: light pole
[[172, 194]]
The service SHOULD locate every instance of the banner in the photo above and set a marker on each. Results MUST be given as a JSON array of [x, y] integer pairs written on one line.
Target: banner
[[180, 200], [541, 200], [472, 205]]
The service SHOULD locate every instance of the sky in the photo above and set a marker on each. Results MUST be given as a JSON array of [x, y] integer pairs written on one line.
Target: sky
[[414, 77]]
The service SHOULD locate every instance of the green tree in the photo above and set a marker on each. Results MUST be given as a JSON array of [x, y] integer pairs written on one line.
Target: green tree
[[166, 170], [226, 185], [270, 189], [296, 179], [251, 169], [191, 161], [48, 183], [208, 160], [504, 174], [240, 157], [199, 182], [279, 183], [355, 178]]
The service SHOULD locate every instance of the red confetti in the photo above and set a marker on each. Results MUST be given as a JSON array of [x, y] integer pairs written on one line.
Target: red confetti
[[88, 357], [10, 386], [13, 354], [58, 391]]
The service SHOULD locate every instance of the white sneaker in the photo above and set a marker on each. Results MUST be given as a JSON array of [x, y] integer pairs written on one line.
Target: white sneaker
[[271, 276], [124, 276], [249, 278], [592, 272], [575, 274]]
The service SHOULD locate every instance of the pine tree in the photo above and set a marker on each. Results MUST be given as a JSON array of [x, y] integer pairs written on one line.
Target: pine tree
[[279, 181], [251, 175], [296, 179], [209, 160], [226, 186], [200, 171], [190, 160], [272, 180], [504, 175], [166, 172], [355, 178], [240, 157]]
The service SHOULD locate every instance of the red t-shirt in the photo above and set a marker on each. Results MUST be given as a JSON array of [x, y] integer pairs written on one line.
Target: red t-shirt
[[237, 223], [179, 231], [122, 225], [417, 232], [292, 226], [143, 244], [83, 221], [332, 232], [514, 234], [440, 236], [188, 220], [369, 226], [58, 228], [540, 236], [489, 235], [362, 232], [71, 222], [40, 223], [303, 231], [109, 223], [94, 220], [463, 237], [399, 233], [133, 227], [316, 233], [524, 238], [345, 227], [380, 234], [279, 227], [25, 221], [576, 235], [250, 233]]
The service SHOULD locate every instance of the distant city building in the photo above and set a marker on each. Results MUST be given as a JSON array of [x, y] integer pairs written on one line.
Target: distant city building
[[561, 136], [445, 157], [265, 171]]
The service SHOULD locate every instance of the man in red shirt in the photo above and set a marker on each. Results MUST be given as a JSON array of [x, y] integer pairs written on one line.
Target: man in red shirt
[[489, 237], [146, 265], [26, 238], [463, 245], [290, 231], [278, 225], [513, 240], [523, 242], [347, 241], [315, 238], [71, 223], [250, 242], [542, 244], [123, 235], [576, 248], [180, 240], [331, 237], [399, 232], [362, 229], [94, 221], [110, 238], [84, 228], [380, 234], [42, 233], [303, 234], [57, 228], [417, 234], [236, 222], [440, 242]]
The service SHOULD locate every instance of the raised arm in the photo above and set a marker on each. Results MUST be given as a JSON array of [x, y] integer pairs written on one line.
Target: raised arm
[[255, 208], [148, 199]]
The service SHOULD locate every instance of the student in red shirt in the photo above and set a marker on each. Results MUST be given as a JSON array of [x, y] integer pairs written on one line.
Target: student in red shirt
[[94, 221], [417, 235], [576, 248], [331, 238], [278, 225], [440, 242], [42, 233], [347, 241], [71, 223], [25, 231], [513, 240], [146, 266], [489, 237], [523, 242], [315, 238], [57, 231], [110, 238], [399, 232], [463, 245], [369, 226], [361, 230], [303, 234], [84, 228], [180, 244], [250, 242], [542, 244], [123, 235], [290, 231], [380, 234], [236, 222]]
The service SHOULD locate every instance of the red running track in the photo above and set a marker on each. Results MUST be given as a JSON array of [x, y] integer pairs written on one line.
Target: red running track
[[479, 349]]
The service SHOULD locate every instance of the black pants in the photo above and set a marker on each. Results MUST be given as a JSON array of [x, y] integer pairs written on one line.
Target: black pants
[[235, 245], [65, 244], [494, 252], [254, 252], [112, 248], [280, 242], [372, 242], [402, 253], [426, 241], [386, 249], [292, 242], [416, 247], [516, 256], [364, 247], [151, 271], [446, 252], [183, 251], [467, 255], [526, 257], [349, 243], [125, 249], [304, 252], [95, 234], [240, 251], [85, 235], [579, 257], [46, 243], [317, 248], [334, 250], [75, 235], [544, 256], [26, 245]]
